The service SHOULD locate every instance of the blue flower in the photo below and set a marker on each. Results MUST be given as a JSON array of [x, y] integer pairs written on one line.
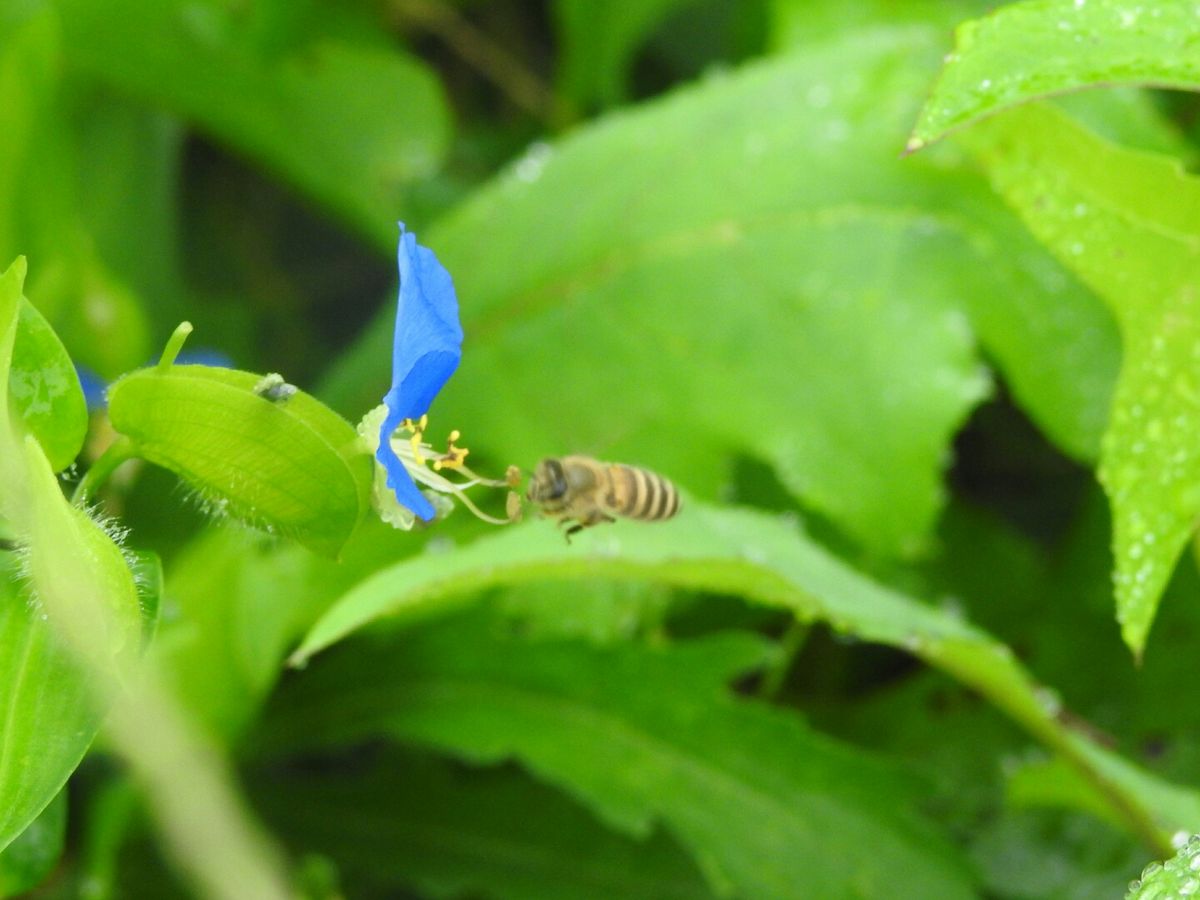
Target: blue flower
[[425, 352]]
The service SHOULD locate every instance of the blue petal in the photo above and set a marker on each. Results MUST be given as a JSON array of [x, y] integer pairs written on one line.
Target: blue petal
[[425, 353], [93, 388]]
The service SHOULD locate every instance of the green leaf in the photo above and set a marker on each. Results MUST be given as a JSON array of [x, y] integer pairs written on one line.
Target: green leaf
[[1175, 879], [1125, 222], [293, 467], [766, 561], [412, 819], [1028, 50], [767, 808], [32, 856], [348, 123], [45, 707], [45, 389]]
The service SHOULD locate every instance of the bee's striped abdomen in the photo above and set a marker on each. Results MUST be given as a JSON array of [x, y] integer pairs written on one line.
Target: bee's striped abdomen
[[641, 494]]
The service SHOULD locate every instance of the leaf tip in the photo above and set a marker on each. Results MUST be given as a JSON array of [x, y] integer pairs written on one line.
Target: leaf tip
[[912, 145], [1134, 634], [299, 658], [17, 269]]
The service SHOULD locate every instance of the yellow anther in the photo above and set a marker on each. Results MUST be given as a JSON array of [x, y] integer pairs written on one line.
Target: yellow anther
[[512, 477], [454, 457], [418, 430], [512, 505]]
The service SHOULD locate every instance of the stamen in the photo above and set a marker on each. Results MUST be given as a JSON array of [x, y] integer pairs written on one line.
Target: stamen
[[425, 466], [418, 430], [454, 457], [479, 513]]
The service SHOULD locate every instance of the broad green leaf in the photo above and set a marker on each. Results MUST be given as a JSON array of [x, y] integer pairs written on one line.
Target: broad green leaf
[[294, 467], [599, 40], [768, 562], [412, 819], [600, 612], [767, 807], [1175, 879], [45, 389], [1028, 50], [1125, 222], [348, 123], [32, 856]]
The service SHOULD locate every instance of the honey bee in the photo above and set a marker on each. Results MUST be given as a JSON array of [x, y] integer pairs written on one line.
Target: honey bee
[[585, 491]]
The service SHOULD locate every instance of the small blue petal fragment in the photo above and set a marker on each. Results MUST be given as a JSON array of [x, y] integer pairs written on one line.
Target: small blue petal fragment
[[93, 388], [203, 356], [425, 353]]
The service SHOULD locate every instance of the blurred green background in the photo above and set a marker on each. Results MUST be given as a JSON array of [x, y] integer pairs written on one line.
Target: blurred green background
[[683, 235]]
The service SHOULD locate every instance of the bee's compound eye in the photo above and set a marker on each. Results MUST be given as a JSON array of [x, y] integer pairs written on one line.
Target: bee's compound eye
[[556, 480]]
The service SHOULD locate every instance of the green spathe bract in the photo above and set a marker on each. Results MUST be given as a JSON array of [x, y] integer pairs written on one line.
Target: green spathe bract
[[295, 467]]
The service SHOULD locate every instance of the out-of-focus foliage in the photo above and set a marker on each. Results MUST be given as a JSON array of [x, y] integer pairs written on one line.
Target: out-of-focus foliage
[[887, 309]]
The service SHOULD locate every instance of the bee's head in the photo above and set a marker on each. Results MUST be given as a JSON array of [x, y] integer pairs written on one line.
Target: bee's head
[[548, 482]]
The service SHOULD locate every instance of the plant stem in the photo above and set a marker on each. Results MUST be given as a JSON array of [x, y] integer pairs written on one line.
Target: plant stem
[[792, 642], [119, 451]]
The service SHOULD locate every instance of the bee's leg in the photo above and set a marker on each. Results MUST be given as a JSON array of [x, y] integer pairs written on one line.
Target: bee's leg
[[592, 517]]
